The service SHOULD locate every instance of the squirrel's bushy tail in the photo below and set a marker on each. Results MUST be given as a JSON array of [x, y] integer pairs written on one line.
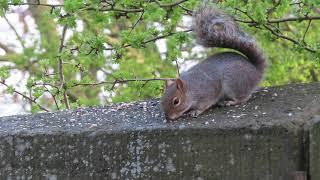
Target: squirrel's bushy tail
[[214, 28]]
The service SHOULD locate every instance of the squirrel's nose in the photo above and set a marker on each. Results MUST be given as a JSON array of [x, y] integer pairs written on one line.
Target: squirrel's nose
[[171, 117]]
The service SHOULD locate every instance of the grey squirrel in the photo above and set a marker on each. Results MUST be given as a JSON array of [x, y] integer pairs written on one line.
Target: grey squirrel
[[227, 77]]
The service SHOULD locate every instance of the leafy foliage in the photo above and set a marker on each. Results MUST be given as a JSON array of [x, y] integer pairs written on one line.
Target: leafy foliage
[[110, 42]]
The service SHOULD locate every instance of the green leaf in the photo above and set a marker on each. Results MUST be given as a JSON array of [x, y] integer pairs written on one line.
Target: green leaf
[[35, 108], [37, 92], [30, 83], [4, 72], [3, 7], [72, 5], [70, 21], [152, 12], [10, 89], [16, 2]]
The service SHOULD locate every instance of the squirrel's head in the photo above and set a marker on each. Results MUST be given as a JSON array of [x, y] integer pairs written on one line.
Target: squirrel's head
[[175, 101]]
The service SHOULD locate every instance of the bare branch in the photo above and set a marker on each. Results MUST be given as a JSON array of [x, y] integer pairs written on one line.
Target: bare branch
[[189, 11], [281, 20], [6, 48], [136, 23], [267, 26], [37, 4], [167, 35], [172, 4], [117, 81], [305, 32], [111, 8], [274, 7], [45, 84], [289, 39], [154, 39], [114, 9], [26, 97], [60, 69], [247, 14], [53, 97], [177, 66], [15, 31]]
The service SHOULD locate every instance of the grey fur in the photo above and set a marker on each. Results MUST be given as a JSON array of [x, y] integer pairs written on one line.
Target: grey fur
[[217, 29], [227, 77]]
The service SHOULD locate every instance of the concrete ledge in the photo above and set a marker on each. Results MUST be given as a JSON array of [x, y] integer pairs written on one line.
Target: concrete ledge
[[314, 148], [265, 139]]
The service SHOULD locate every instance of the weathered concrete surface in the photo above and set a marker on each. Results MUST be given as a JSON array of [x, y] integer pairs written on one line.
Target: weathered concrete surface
[[263, 139], [314, 147]]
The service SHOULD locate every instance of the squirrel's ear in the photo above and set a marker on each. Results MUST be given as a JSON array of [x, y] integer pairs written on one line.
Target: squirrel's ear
[[169, 82], [180, 85]]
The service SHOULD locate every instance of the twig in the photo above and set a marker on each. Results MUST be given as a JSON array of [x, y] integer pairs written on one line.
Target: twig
[[45, 84], [6, 48], [274, 7], [177, 65], [115, 9], [289, 39], [281, 20], [247, 14], [136, 23], [117, 81], [53, 97], [153, 39], [189, 11], [26, 97], [60, 69], [30, 96], [172, 4], [244, 21], [305, 32], [37, 4], [278, 34], [112, 8], [15, 31]]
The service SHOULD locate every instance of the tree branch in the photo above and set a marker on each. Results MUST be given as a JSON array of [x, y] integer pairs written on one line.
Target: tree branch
[[60, 68], [281, 20], [36, 4], [26, 97], [153, 39], [6, 48], [53, 97], [136, 23], [112, 8], [306, 31], [121, 81], [275, 32], [289, 39], [172, 4], [15, 31]]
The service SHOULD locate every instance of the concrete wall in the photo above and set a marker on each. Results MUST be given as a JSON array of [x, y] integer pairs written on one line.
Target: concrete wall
[[275, 136]]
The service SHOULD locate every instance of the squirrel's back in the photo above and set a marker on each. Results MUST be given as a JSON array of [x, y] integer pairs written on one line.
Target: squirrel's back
[[214, 28], [228, 68]]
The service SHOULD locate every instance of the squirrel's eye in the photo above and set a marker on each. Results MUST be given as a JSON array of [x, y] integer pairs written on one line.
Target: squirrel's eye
[[176, 101]]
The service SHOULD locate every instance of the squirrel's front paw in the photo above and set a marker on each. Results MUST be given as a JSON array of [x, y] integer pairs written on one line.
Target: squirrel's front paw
[[228, 103], [195, 113]]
